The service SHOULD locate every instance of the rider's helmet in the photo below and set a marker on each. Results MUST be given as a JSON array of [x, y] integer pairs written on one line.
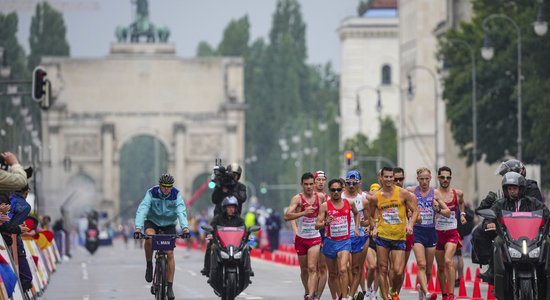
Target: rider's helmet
[[166, 180], [235, 168], [511, 165], [229, 200], [513, 178]]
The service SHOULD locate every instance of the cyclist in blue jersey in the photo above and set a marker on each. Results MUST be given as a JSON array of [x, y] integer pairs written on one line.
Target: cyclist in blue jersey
[[159, 210]]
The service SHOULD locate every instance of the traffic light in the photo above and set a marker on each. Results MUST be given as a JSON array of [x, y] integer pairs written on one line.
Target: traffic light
[[263, 188], [211, 185], [349, 157], [38, 83]]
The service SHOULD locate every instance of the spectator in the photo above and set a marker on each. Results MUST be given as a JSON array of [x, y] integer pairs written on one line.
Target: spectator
[[273, 225], [19, 211], [12, 180]]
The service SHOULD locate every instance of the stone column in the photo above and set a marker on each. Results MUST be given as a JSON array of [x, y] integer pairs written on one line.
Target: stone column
[[108, 185], [231, 142], [180, 139]]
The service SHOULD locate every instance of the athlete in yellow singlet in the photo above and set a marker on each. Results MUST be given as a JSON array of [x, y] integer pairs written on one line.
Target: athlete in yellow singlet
[[392, 203]]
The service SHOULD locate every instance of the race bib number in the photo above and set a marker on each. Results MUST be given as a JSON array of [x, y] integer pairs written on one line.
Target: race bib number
[[391, 216], [307, 227], [427, 215], [339, 227], [443, 223]]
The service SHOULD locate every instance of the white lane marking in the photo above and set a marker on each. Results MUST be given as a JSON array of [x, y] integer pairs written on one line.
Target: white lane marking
[[248, 297], [86, 297], [84, 271]]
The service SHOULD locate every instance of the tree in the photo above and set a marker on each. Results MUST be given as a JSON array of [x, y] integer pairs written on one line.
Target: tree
[[363, 6], [205, 50], [235, 38], [496, 85], [384, 146], [14, 56], [47, 36]]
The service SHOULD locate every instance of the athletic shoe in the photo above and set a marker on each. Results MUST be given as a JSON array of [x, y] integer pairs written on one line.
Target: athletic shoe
[[421, 295], [430, 296], [170, 293], [451, 297], [359, 296], [149, 273], [395, 296]]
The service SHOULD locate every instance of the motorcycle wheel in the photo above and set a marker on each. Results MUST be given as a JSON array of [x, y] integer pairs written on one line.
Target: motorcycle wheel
[[231, 286], [525, 289]]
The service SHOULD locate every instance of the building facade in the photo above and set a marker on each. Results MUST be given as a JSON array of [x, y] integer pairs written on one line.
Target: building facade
[[193, 107]]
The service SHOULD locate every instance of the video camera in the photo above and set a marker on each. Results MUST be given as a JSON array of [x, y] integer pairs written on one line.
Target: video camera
[[221, 177], [3, 165]]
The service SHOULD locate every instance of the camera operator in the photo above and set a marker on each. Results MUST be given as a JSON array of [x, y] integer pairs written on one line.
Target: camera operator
[[227, 184], [13, 180]]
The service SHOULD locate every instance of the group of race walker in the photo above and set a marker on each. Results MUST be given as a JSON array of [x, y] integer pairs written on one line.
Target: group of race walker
[[346, 229]]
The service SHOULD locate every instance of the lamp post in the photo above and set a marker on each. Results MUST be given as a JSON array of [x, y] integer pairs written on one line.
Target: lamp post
[[487, 52], [474, 113], [436, 106]]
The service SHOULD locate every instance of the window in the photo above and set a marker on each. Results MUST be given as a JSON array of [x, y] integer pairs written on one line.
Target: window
[[386, 75]]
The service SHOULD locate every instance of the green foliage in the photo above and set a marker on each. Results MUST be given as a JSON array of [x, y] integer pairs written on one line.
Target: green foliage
[[285, 97], [363, 6], [48, 34], [385, 146], [205, 50], [235, 38], [14, 57], [137, 170], [497, 84]]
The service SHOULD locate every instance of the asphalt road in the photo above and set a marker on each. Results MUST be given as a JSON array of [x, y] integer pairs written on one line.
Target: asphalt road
[[117, 272]]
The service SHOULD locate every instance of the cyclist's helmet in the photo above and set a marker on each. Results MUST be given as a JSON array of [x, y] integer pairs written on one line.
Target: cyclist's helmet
[[229, 200], [511, 165], [166, 180], [513, 178], [235, 168]]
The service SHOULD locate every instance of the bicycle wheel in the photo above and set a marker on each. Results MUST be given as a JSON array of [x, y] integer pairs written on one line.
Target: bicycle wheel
[[161, 291]]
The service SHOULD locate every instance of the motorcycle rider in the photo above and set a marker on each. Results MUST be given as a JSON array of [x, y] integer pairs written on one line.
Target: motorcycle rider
[[482, 239], [515, 199], [229, 185], [229, 218]]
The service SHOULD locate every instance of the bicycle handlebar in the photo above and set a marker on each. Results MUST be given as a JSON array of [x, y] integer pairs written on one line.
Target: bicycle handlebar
[[139, 235]]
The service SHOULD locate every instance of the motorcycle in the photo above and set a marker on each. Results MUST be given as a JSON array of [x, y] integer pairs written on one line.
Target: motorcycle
[[230, 260], [521, 255]]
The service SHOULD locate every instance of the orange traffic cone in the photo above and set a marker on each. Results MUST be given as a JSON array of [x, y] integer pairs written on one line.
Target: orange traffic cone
[[490, 292], [477, 293], [468, 274], [434, 271], [462, 294], [407, 285], [414, 268], [477, 273], [437, 285]]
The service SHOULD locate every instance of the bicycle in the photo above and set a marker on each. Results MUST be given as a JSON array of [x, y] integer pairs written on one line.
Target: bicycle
[[161, 243]]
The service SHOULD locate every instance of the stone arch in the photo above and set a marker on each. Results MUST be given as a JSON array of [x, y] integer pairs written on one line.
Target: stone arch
[[82, 194], [138, 172]]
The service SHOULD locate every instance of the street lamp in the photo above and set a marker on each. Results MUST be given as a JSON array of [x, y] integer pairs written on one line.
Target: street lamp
[[410, 94], [487, 52], [540, 26], [474, 113]]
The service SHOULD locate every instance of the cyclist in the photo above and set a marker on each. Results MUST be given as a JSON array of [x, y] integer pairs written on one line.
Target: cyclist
[[159, 211]]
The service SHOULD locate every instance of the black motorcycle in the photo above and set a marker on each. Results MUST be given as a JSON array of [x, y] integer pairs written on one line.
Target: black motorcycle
[[521, 255], [230, 260]]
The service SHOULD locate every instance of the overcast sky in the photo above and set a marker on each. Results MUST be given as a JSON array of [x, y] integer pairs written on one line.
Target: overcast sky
[[90, 32]]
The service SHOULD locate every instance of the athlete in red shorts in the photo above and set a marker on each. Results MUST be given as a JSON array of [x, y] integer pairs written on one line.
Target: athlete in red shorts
[[448, 239], [304, 208]]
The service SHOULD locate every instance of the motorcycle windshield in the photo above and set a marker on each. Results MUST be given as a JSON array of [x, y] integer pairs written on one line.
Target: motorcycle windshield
[[230, 235], [523, 224]]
